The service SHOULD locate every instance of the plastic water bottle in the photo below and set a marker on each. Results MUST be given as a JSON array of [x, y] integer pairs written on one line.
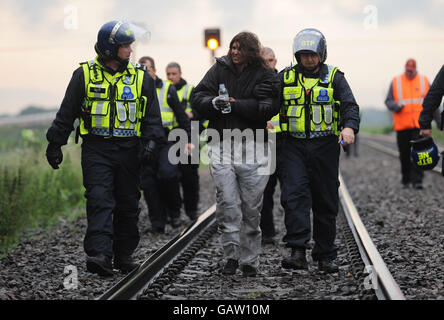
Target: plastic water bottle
[[223, 93]]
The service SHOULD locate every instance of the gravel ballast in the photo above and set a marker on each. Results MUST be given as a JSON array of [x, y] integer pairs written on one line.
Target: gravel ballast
[[405, 225]]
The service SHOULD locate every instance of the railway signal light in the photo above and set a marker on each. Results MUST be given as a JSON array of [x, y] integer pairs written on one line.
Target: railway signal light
[[212, 38]]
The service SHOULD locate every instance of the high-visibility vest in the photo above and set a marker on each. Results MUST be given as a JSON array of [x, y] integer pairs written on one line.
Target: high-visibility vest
[[114, 105], [410, 94], [275, 122], [308, 108], [184, 95], [167, 114]]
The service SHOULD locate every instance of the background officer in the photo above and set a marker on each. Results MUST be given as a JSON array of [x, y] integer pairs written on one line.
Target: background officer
[[160, 180], [189, 172], [117, 106], [404, 99], [267, 220], [318, 112]]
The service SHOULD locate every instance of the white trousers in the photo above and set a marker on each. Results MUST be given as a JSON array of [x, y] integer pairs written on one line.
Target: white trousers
[[240, 185]]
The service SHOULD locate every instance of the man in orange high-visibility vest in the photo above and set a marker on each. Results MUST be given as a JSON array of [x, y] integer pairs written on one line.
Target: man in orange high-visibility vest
[[404, 99]]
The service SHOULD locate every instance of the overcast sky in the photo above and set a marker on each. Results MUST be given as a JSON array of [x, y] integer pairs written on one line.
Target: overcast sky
[[43, 41]]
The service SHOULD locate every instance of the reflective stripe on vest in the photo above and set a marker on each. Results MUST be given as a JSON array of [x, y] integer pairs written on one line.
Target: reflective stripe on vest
[[410, 94], [315, 94], [166, 112], [113, 104]]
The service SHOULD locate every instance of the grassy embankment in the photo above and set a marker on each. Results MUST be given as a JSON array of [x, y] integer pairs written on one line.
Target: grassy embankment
[[32, 194]]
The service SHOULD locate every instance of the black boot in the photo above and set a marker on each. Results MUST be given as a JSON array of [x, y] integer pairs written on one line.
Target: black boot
[[248, 271], [125, 264], [230, 267], [176, 222], [192, 214], [99, 264], [328, 266], [297, 260]]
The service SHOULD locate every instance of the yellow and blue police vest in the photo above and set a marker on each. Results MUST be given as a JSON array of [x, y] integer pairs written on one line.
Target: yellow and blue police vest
[[114, 105], [167, 114], [308, 108]]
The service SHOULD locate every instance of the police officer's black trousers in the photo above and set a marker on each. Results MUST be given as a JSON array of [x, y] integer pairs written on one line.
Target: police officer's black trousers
[[111, 180], [310, 181], [267, 220], [161, 186], [190, 186], [410, 173]]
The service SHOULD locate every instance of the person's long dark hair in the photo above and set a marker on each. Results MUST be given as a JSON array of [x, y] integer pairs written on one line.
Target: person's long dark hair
[[250, 46]]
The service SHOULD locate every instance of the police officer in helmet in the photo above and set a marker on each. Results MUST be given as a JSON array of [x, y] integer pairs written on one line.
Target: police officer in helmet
[[318, 114], [120, 125]]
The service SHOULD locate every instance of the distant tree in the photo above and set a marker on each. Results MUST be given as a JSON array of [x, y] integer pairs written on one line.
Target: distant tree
[[34, 110]]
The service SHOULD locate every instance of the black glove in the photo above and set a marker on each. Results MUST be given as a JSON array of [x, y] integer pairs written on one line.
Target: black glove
[[54, 155], [400, 107], [263, 90], [219, 104], [148, 152]]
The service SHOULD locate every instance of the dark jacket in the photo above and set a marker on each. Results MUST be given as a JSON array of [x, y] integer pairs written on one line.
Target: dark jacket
[[247, 111], [432, 101], [349, 110], [70, 110], [175, 105]]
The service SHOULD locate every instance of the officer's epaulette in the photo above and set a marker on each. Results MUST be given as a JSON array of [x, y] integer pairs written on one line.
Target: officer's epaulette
[[91, 62], [288, 68], [140, 66]]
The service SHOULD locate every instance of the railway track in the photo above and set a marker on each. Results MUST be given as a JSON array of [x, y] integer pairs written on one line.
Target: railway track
[[405, 226], [154, 278]]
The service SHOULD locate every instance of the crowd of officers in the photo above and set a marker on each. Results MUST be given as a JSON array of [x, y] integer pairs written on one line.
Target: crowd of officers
[[127, 112]]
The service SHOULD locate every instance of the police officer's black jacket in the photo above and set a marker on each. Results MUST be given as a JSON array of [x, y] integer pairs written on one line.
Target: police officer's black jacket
[[70, 110], [432, 100], [246, 111], [176, 106], [349, 110]]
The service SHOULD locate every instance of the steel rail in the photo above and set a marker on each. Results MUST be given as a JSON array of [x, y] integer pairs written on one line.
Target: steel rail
[[134, 283], [386, 287]]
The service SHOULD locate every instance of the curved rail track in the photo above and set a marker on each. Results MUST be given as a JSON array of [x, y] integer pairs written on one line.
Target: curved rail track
[[159, 270]]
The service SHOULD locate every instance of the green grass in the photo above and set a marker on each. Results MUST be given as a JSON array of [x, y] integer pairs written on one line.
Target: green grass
[[32, 194], [437, 134]]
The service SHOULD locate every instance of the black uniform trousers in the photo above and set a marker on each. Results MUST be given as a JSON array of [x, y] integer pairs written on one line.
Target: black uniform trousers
[[410, 173], [310, 170], [111, 180], [190, 186], [267, 220], [161, 186]]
